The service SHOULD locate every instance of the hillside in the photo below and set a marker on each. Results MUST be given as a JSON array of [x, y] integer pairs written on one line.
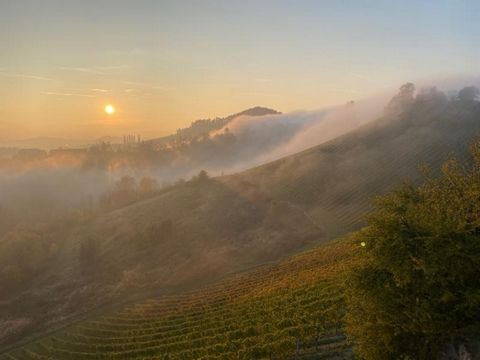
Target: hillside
[[289, 310], [194, 233], [205, 126], [335, 181]]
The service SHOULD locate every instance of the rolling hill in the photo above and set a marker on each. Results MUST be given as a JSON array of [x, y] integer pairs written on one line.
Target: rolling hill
[[205, 126], [223, 225], [292, 309]]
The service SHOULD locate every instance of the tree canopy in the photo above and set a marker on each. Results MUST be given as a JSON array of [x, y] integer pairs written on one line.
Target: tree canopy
[[403, 99], [417, 292], [469, 93]]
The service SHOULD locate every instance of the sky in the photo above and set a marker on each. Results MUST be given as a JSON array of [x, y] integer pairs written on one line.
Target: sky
[[163, 64]]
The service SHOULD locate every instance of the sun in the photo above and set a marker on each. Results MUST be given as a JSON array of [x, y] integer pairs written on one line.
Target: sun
[[109, 109]]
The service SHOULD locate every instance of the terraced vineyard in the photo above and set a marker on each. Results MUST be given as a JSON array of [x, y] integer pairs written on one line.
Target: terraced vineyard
[[288, 310]]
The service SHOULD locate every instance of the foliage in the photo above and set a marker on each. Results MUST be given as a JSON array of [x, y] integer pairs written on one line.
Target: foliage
[[24, 251], [403, 99], [126, 191], [202, 176], [468, 93], [418, 287]]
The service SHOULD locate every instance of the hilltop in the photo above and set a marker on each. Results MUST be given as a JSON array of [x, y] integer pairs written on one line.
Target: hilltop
[[205, 126]]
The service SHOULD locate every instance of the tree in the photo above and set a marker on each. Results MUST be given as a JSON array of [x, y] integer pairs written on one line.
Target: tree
[[403, 99], [126, 185], [432, 95], [124, 192], [417, 291], [23, 253], [201, 177], [469, 93], [147, 186]]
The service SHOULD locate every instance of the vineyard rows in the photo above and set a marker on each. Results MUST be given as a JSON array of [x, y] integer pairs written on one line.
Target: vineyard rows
[[290, 310]]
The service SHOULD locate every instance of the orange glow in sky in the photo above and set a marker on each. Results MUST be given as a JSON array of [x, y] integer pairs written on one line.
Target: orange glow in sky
[[168, 63]]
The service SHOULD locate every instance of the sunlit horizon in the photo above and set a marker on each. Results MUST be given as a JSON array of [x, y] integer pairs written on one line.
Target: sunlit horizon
[[168, 63]]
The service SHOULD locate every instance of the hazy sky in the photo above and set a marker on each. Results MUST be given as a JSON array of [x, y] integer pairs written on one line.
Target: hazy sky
[[166, 63]]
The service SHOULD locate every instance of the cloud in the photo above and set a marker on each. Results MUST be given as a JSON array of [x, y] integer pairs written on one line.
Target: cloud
[[45, 191], [96, 70], [113, 67], [66, 94], [263, 80], [147, 85], [137, 83], [260, 93], [365, 78], [267, 138], [344, 91], [24, 76], [101, 90], [82, 69]]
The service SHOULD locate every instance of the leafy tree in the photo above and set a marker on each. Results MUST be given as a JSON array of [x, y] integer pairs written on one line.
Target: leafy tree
[[124, 192], [23, 253], [469, 93], [126, 185], [417, 291], [147, 186], [432, 95], [403, 99], [201, 177]]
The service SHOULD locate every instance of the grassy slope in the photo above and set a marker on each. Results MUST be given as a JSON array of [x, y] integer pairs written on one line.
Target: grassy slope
[[335, 182], [230, 223]]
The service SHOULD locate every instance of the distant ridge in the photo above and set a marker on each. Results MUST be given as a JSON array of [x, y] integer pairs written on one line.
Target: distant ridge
[[196, 128], [48, 142], [205, 126]]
